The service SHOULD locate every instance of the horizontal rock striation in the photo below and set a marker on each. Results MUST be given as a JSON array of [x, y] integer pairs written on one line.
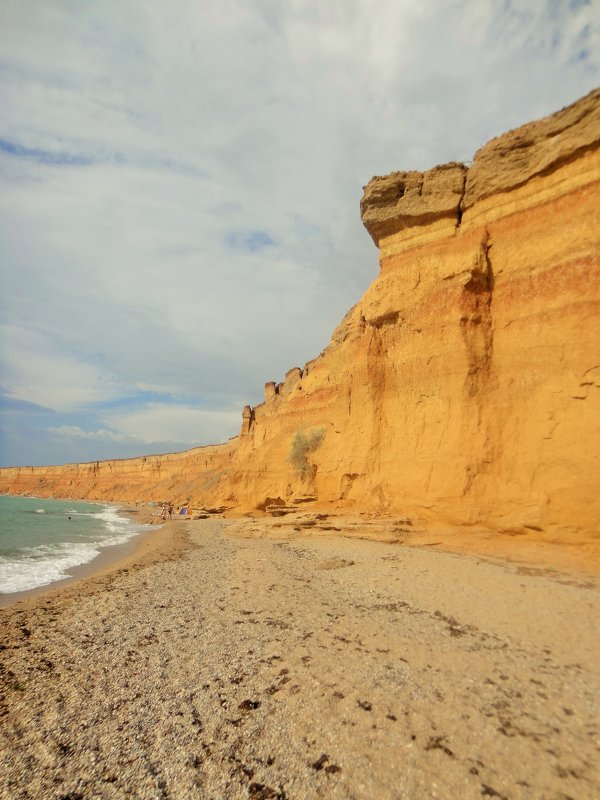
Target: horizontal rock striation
[[462, 389], [538, 148]]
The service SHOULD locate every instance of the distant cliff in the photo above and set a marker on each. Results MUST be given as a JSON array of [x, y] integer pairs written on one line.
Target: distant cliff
[[463, 387]]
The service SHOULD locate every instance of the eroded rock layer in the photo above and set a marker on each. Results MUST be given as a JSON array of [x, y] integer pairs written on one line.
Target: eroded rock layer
[[462, 388]]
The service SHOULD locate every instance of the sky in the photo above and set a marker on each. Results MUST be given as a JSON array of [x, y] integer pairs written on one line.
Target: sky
[[180, 186]]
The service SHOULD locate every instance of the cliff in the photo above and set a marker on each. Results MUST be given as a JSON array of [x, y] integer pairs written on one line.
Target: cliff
[[462, 388]]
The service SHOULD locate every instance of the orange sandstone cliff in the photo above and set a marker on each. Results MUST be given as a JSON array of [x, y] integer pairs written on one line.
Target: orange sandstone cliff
[[463, 388]]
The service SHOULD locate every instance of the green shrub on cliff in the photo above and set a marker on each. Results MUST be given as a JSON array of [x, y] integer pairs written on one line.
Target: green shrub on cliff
[[302, 444]]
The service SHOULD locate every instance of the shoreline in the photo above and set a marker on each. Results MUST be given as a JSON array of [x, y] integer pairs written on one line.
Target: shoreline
[[162, 540], [158, 542]]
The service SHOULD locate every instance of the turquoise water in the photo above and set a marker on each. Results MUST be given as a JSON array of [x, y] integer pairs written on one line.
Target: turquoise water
[[41, 540]]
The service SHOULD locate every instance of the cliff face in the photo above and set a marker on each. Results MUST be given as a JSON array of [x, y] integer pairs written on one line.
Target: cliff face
[[462, 388]]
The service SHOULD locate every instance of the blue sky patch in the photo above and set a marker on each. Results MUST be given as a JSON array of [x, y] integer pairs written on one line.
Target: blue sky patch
[[250, 241], [43, 156], [8, 403]]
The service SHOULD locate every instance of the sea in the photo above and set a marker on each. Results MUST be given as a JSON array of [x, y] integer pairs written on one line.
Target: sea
[[42, 541]]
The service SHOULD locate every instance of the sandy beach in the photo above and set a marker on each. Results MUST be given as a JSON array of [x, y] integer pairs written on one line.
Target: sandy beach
[[236, 659]]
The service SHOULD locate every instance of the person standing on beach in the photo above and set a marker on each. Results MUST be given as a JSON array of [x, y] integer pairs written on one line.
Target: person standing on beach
[[170, 510]]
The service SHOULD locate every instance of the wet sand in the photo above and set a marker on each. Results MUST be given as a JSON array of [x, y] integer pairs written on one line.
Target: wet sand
[[303, 664]]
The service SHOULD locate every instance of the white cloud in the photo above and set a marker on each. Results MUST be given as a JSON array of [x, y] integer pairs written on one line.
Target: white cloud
[[33, 371], [74, 431], [162, 422]]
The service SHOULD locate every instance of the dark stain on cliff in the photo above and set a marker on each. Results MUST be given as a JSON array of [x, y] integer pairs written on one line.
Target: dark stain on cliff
[[476, 320]]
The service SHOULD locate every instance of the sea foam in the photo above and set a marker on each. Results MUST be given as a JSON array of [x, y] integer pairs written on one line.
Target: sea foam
[[79, 535]]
